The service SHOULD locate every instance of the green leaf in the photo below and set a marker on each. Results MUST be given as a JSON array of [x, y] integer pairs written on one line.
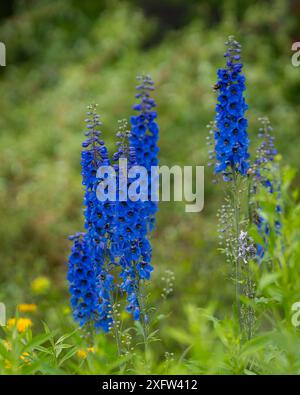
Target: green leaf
[[36, 341], [68, 355], [66, 336], [44, 350]]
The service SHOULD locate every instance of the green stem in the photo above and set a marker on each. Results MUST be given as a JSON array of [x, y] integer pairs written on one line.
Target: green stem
[[90, 334], [236, 207], [115, 326], [145, 326]]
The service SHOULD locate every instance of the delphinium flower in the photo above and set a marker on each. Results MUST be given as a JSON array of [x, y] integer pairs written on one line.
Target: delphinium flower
[[228, 150], [98, 223], [265, 175], [99, 217], [130, 241], [231, 137], [144, 137]]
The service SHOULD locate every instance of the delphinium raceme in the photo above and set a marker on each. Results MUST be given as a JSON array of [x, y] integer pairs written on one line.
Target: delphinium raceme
[[130, 241], [228, 144], [266, 176], [144, 137], [95, 242], [231, 137]]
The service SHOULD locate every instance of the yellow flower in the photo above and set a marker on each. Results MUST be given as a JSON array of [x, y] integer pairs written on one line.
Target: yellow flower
[[11, 322], [25, 358], [81, 354], [40, 285], [27, 308], [21, 323]]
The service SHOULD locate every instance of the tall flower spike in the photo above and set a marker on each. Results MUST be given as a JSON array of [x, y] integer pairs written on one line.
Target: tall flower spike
[[231, 137], [98, 222], [144, 137], [231, 159], [130, 243]]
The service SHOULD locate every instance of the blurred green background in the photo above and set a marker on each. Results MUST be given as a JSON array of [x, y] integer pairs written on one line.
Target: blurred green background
[[63, 55]]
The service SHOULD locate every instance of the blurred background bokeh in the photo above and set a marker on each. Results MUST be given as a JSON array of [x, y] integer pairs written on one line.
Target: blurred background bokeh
[[64, 55]]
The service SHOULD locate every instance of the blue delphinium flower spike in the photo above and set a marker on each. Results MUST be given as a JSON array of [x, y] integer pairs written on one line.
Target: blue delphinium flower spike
[[231, 137], [129, 241], [144, 137], [228, 145], [98, 221]]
